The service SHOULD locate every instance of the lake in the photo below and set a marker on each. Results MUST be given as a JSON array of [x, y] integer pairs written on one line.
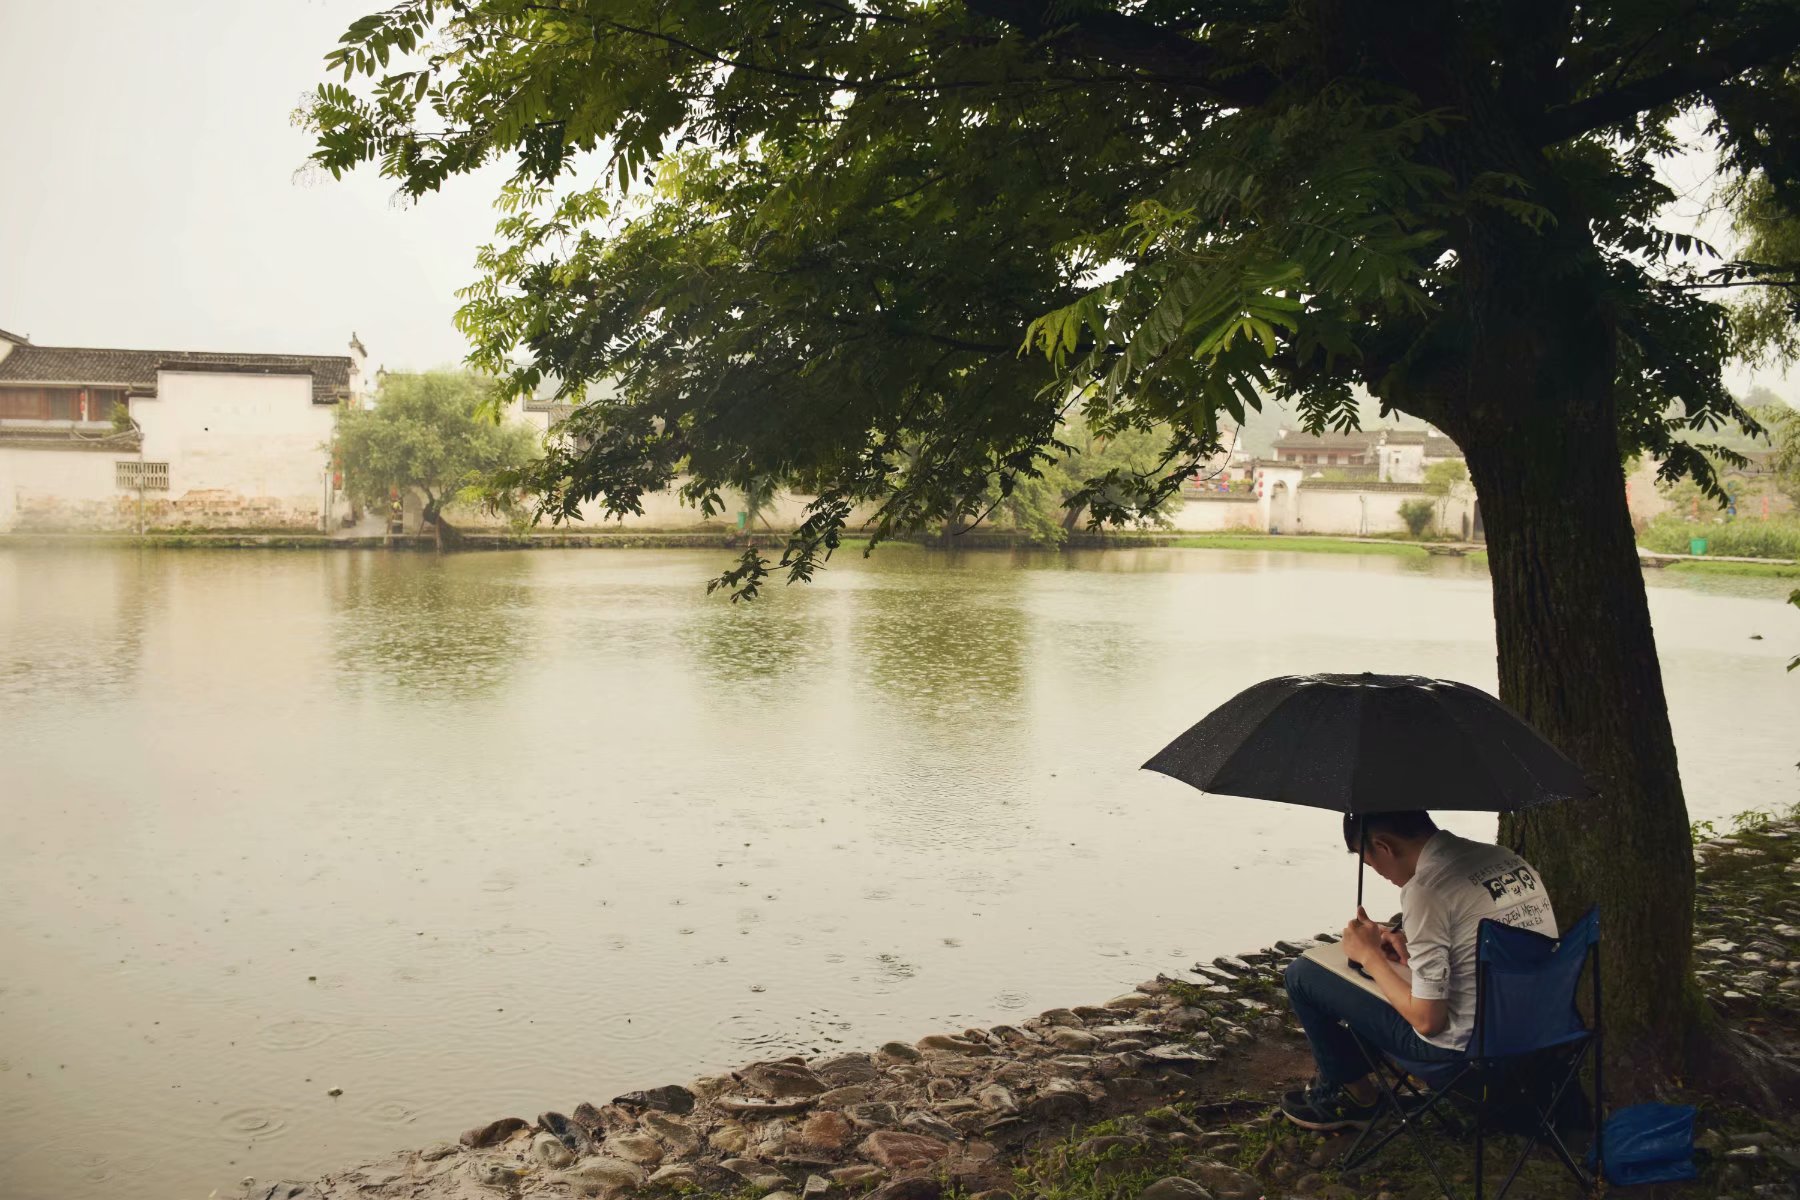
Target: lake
[[492, 834]]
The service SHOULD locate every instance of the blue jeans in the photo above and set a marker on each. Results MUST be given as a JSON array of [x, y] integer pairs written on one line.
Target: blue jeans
[[1330, 1006]]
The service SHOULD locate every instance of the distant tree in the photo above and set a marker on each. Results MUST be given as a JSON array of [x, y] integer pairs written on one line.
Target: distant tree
[[1417, 515], [1794, 599], [1783, 424], [1051, 504], [1446, 481], [432, 432]]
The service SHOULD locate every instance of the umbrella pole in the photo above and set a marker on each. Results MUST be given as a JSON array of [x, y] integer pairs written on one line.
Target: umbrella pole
[[1362, 827]]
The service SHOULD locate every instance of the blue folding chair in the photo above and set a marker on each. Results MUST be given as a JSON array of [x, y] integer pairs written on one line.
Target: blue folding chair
[[1529, 1046]]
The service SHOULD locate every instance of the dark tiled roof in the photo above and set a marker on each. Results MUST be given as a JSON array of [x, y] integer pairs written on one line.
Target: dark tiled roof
[[1308, 443], [14, 338], [136, 369]]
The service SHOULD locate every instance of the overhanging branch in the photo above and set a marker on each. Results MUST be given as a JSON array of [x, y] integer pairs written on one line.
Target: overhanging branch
[[1776, 42], [1159, 52]]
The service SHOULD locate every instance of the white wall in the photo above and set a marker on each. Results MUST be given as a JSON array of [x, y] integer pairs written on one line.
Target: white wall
[[1216, 516], [244, 451], [59, 487], [258, 441]]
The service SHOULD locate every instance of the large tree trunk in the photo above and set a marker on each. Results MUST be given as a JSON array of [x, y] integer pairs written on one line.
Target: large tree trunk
[[1577, 656]]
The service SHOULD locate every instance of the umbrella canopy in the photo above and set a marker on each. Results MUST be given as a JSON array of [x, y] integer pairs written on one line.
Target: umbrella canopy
[[1371, 743]]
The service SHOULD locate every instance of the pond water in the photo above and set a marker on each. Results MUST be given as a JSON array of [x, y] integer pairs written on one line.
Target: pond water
[[498, 833]]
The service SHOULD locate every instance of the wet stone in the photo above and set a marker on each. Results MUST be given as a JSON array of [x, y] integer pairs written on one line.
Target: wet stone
[[900, 1052], [675, 1175], [635, 1147], [1175, 1188], [729, 1138], [855, 1175], [604, 1175], [672, 1098], [782, 1080], [844, 1097], [492, 1133], [675, 1133], [929, 1125], [902, 1151], [1073, 1039], [829, 1131], [548, 1149], [1060, 1017], [846, 1069], [879, 1114]]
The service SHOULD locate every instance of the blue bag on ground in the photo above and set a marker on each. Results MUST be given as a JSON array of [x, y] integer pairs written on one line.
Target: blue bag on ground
[[1649, 1143]]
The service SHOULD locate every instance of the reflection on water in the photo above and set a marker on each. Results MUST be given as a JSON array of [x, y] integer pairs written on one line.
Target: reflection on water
[[490, 833], [426, 626]]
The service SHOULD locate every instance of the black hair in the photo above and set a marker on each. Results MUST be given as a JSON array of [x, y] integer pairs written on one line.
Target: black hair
[[1409, 824]]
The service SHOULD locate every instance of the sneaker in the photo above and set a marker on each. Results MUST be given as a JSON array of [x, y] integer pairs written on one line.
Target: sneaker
[[1326, 1109]]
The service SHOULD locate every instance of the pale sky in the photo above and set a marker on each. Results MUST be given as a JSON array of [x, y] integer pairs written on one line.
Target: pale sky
[[153, 199]]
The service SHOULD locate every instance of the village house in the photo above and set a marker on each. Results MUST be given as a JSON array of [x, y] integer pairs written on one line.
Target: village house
[[97, 440], [1384, 455]]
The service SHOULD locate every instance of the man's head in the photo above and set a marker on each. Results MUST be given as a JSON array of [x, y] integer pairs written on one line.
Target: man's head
[[1390, 841]]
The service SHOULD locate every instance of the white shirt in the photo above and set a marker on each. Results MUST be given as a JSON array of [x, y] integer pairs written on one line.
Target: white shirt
[[1456, 884]]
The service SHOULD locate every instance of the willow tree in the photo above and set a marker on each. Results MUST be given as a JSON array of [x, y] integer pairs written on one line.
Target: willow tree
[[877, 245]]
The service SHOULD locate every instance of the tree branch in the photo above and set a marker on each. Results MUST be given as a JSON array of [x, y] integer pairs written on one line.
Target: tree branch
[[1774, 43], [1156, 50]]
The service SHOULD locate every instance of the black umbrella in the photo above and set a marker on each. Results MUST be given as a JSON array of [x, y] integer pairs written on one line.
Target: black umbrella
[[1371, 743]]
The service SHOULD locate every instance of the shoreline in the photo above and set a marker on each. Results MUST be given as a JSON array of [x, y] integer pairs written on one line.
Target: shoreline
[[1176, 1078], [725, 540]]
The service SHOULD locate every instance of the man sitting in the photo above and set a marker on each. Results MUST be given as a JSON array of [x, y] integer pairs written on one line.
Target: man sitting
[[1448, 885]]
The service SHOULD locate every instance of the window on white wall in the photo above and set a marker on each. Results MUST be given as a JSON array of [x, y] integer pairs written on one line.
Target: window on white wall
[[146, 476]]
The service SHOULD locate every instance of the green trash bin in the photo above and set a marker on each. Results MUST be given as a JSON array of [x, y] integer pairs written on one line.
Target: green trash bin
[[1696, 546]]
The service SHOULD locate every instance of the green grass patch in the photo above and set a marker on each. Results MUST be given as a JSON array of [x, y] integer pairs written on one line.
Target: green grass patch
[[1769, 570], [1745, 537], [1306, 545]]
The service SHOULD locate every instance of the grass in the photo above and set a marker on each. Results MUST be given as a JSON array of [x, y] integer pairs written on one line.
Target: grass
[[1745, 537], [1770, 570], [1314, 545]]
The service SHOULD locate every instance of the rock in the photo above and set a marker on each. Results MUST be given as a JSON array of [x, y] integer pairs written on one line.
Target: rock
[[1014, 1075], [635, 1147], [902, 1151], [914, 1187], [1092, 1012], [757, 1174], [1061, 1017], [782, 1080], [1175, 1188], [945, 1043], [781, 1195], [876, 1115], [498, 1175], [997, 1099], [816, 1186], [605, 1176], [899, 1052], [942, 1089], [570, 1133], [671, 1098], [672, 1131], [1130, 1000], [844, 1097], [675, 1175], [1013, 1035], [1057, 1108], [1184, 1019], [930, 1125], [548, 1149], [1311, 1184], [856, 1174], [1132, 1091], [729, 1138], [1225, 1181], [439, 1150], [827, 1130], [750, 1106], [492, 1133], [1073, 1039], [847, 1069]]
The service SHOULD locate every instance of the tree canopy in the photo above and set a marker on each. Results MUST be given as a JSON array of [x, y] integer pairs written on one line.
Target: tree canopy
[[428, 432], [803, 235]]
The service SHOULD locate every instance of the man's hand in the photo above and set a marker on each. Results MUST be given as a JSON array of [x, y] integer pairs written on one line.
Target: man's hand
[[1393, 944], [1362, 938]]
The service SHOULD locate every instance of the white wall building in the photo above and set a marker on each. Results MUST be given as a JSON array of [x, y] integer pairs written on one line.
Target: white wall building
[[123, 440]]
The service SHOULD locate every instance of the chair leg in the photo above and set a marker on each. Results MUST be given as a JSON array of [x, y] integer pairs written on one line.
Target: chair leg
[[1357, 1155]]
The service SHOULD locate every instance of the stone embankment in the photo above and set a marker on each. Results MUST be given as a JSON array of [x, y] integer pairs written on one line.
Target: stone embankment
[[1163, 1093], [953, 1110]]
